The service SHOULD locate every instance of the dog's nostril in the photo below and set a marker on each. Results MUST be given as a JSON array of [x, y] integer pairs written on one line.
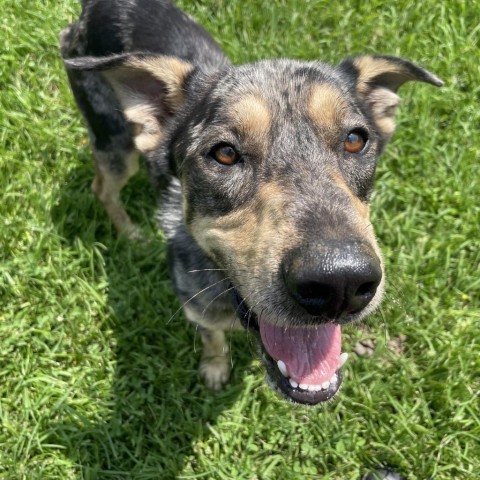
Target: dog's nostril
[[314, 295], [368, 288], [317, 298], [362, 297]]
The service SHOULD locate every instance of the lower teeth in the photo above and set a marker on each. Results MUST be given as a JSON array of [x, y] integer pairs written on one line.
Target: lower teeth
[[312, 388]]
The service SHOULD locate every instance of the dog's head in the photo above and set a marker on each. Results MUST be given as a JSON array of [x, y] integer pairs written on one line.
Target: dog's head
[[276, 161]]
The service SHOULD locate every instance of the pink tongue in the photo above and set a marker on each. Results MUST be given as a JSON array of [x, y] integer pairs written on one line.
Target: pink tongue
[[310, 354]]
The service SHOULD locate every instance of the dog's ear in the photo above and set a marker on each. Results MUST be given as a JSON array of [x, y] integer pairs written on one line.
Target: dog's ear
[[150, 89], [377, 78]]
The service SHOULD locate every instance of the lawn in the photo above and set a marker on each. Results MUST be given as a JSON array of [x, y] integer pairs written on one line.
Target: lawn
[[98, 374]]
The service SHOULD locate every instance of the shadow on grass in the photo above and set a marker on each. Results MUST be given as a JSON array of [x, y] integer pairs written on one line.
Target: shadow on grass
[[158, 407]]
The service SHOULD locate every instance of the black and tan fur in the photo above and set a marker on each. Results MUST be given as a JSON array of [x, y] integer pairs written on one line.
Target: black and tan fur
[[150, 81]]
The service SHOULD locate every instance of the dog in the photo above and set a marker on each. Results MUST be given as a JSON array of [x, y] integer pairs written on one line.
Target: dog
[[263, 172]]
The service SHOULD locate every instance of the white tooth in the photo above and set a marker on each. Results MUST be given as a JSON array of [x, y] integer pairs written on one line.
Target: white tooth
[[293, 383], [303, 386], [325, 385], [334, 378], [342, 359], [283, 368], [315, 388]]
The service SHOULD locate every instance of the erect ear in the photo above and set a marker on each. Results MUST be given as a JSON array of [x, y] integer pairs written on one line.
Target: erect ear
[[150, 89], [377, 78]]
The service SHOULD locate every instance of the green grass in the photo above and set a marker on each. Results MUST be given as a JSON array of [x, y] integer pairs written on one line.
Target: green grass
[[97, 383]]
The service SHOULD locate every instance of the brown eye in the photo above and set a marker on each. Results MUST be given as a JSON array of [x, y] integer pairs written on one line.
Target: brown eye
[[355, 141], [225, 154]]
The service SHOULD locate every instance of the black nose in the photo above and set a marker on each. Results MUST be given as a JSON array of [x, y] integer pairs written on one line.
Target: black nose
[[333, 279]]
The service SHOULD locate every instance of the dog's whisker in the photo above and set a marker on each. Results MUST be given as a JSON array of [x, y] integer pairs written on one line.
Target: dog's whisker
[[195, 338], [208, 270], [193, 297], [223, 292], [384, 324]]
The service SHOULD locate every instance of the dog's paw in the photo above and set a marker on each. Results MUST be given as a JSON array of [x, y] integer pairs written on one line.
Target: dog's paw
[[215, 372]]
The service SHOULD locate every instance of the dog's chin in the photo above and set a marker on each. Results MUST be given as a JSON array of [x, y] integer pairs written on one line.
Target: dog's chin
[[280, 381]]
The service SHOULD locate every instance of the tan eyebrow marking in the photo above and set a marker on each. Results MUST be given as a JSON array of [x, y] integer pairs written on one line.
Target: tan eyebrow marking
[[252, 115], [326, 106]]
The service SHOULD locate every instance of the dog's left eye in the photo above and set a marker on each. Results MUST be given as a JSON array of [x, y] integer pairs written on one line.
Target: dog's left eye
[[225, 154], [355, 141]]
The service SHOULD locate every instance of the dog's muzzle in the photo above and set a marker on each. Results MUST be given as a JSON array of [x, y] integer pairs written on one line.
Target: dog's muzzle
[[328, 285]]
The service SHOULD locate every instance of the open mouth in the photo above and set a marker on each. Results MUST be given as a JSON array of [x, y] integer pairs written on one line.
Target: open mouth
[[303, 363]]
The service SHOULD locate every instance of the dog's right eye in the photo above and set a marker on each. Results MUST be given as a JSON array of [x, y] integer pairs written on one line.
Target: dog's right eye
[[355, 141], [224, 154]]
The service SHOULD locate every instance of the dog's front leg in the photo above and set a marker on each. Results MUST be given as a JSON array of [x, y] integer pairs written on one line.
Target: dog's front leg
[[215, 363]]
